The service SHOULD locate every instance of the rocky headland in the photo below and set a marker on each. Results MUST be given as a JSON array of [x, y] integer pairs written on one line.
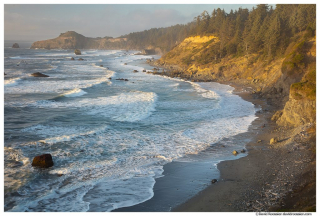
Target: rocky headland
[[74, 40]]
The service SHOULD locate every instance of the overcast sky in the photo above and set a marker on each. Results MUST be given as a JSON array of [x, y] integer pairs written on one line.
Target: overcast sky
[[40, 22]]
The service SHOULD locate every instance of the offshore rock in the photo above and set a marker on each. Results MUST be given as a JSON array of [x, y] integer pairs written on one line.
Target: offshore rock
[[77, 52], [15, 45], [38, 74], [43, 161]]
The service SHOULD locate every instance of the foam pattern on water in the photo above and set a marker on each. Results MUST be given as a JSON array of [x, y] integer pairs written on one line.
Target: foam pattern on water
[[109, 142]]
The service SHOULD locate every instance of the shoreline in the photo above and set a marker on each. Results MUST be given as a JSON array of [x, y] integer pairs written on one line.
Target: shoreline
[[278, 177], [269, 178]]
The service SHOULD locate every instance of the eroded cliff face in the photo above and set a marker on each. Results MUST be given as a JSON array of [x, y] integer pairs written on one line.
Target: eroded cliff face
[[288, 81]]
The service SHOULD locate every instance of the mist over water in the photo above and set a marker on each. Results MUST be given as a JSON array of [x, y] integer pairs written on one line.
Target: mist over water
[[109, 139]]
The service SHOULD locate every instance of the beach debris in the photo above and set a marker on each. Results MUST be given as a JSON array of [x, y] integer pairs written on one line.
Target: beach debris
[[72, 58], [273, 140], [243, 151], [43, 161], [77, 52], [235, 152], [15, 45], [214, 181], [38, 74]]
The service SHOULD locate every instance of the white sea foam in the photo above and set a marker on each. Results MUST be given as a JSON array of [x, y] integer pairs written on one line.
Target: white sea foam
[[130, 107], [203, 92], [75, 93], [11, 82], [54, 134]]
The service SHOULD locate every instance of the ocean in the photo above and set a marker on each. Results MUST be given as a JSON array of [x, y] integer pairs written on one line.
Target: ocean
[[109, 138]]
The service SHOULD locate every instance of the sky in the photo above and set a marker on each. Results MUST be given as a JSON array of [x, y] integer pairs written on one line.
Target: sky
[[33, 22]]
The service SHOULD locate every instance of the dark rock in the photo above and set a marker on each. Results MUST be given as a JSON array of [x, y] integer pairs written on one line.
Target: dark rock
[[110, 78], [38, 74], [77, 52], [214, 181], [5, 74], [135, 71], [122, 79], [60, 175], [43, 161], [80, 59], [243, 151], [125, 63], [144, 71], [72, 58], [15, 45], [101, 65]]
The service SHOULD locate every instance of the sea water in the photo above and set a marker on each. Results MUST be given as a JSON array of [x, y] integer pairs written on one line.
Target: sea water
[[109, 136]]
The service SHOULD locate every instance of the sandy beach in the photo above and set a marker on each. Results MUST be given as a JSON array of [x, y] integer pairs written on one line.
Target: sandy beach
[[279, 177]]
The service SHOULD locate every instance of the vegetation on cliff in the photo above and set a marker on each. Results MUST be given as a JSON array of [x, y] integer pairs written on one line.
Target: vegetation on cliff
[[271, 50]]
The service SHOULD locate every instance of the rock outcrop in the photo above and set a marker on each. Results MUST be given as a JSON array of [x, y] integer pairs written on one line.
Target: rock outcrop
[[15, 45], [43, 161], [38, 74], [77, 52]]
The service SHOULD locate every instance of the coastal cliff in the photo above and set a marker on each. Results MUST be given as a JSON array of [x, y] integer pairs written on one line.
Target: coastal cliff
[[288, 84], [285, 81]]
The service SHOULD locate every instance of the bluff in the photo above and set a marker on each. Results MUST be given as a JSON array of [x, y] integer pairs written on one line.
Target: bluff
[[289, 81]]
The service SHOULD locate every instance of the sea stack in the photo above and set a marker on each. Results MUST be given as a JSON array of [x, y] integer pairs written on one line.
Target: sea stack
[[15, 45]]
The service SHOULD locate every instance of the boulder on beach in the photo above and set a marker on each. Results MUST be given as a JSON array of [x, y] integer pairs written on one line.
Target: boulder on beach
[[273, 140], [43, 161], [15, 45], [235, 152], [214, 181], [38, 74], [77, 52]]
